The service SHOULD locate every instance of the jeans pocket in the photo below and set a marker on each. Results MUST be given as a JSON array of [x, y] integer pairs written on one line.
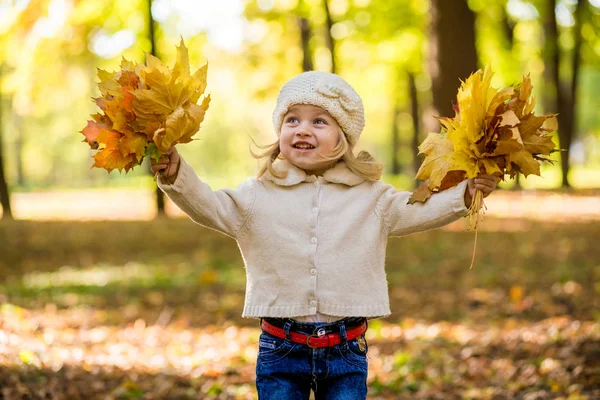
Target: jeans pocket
[[355, 351], [272, 348]]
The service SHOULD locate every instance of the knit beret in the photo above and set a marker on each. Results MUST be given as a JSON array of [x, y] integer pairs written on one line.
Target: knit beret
[[328, 91]]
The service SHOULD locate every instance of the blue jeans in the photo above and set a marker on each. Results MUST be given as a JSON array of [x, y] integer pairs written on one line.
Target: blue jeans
[[286, 370]]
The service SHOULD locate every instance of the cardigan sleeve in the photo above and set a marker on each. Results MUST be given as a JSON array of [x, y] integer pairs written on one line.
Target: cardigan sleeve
[[400, 218], [225, 210]]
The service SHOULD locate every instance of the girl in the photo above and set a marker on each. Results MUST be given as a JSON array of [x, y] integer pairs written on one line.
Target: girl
[[313, 229]]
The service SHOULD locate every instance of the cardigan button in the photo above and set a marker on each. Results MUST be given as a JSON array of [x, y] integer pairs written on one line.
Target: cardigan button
[[313, 240], [317, 183], [313, 271], [313, 303], [315, 210]]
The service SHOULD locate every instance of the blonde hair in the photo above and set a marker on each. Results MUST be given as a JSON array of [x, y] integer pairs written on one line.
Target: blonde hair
[[363, 165]]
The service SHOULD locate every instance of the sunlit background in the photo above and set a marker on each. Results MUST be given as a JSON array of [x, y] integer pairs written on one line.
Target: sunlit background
[[50, 50]]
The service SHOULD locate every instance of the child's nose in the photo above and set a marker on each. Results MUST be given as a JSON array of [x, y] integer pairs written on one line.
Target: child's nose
[[303, 130]]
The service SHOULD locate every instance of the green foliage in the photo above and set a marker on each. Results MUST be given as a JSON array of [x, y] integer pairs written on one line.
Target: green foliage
[[48, 79]]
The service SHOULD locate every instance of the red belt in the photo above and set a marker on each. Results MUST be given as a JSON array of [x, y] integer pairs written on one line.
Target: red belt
[[314, 340]]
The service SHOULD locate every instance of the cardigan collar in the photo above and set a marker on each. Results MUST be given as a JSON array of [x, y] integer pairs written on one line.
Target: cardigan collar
[[340, 173]]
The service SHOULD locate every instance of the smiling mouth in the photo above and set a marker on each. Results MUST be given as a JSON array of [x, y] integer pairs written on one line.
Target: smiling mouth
[[303, 146]]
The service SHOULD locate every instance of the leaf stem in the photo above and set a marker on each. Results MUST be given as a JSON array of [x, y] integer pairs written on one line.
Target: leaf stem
[[475, 214], [474, 247]]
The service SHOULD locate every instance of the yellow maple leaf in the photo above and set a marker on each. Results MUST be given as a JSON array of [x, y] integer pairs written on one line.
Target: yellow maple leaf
[[534, 141], [134, 144], [499, 99], [508, 141], [172, 94], [108, 85], [493, 132], [110, 157], [522, 161], [146, 109], [474, 98], [180, 126], [438, 151], [108, 138]]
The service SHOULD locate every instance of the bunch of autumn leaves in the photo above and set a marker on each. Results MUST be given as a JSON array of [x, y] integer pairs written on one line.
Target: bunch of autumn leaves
[[146, 109], [494, 132]]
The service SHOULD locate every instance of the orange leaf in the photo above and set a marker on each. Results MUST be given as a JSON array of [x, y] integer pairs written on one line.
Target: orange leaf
[[516, 293], [421, 194], [112, 158], [146, 106], [91, 132], [135, 144]]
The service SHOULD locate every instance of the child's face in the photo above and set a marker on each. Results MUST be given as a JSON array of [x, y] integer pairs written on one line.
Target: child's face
[[313, 129]]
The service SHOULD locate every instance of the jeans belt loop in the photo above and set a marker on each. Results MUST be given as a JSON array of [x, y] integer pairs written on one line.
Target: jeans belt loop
[[286, 328], [343, 337]]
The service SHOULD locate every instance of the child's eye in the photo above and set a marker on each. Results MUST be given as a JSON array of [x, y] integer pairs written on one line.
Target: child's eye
[[320, 121], [291, 120]]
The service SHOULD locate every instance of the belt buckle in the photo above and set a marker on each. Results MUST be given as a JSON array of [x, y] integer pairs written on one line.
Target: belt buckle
[[318, 334]]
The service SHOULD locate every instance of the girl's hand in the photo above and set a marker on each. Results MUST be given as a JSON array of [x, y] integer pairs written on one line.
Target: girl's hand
[[167, 166], [485, 183]]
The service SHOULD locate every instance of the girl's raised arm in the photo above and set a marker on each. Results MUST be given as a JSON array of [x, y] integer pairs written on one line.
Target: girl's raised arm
[[400, 218], [225, 210]]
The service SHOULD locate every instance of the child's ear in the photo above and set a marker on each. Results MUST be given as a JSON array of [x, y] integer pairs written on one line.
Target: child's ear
[[342, 137]]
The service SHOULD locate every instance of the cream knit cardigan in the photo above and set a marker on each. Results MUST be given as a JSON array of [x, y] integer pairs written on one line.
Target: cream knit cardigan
[[312, 244]]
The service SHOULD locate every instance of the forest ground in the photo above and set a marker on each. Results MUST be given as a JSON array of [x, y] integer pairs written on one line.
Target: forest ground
[[150, 308]]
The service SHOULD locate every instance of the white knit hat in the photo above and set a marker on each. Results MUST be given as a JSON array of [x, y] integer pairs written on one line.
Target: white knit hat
[[325, 90]]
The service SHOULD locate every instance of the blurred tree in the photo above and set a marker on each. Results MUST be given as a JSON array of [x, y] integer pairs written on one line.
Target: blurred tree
[[160, 196], [508, 30], [4, 194], [545, 37], [452, 50], [566, 92], [398, 29], [19, 142], [19, 24], [307, 64], [305, 35], [54, 54], [379, 45], [329, 40], [414, 103], [272, 52], [395, 148], [550, 53], [508, 27]]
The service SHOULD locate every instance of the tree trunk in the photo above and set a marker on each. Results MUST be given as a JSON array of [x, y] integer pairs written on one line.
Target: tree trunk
[[509, 34], [453, 55], [304, 25], [4, 194], [395, 137], [551, 58], [567, 95], [508, 27], [19, 150], [414, 110], [328, 38], [570, 125], [160, 196]]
